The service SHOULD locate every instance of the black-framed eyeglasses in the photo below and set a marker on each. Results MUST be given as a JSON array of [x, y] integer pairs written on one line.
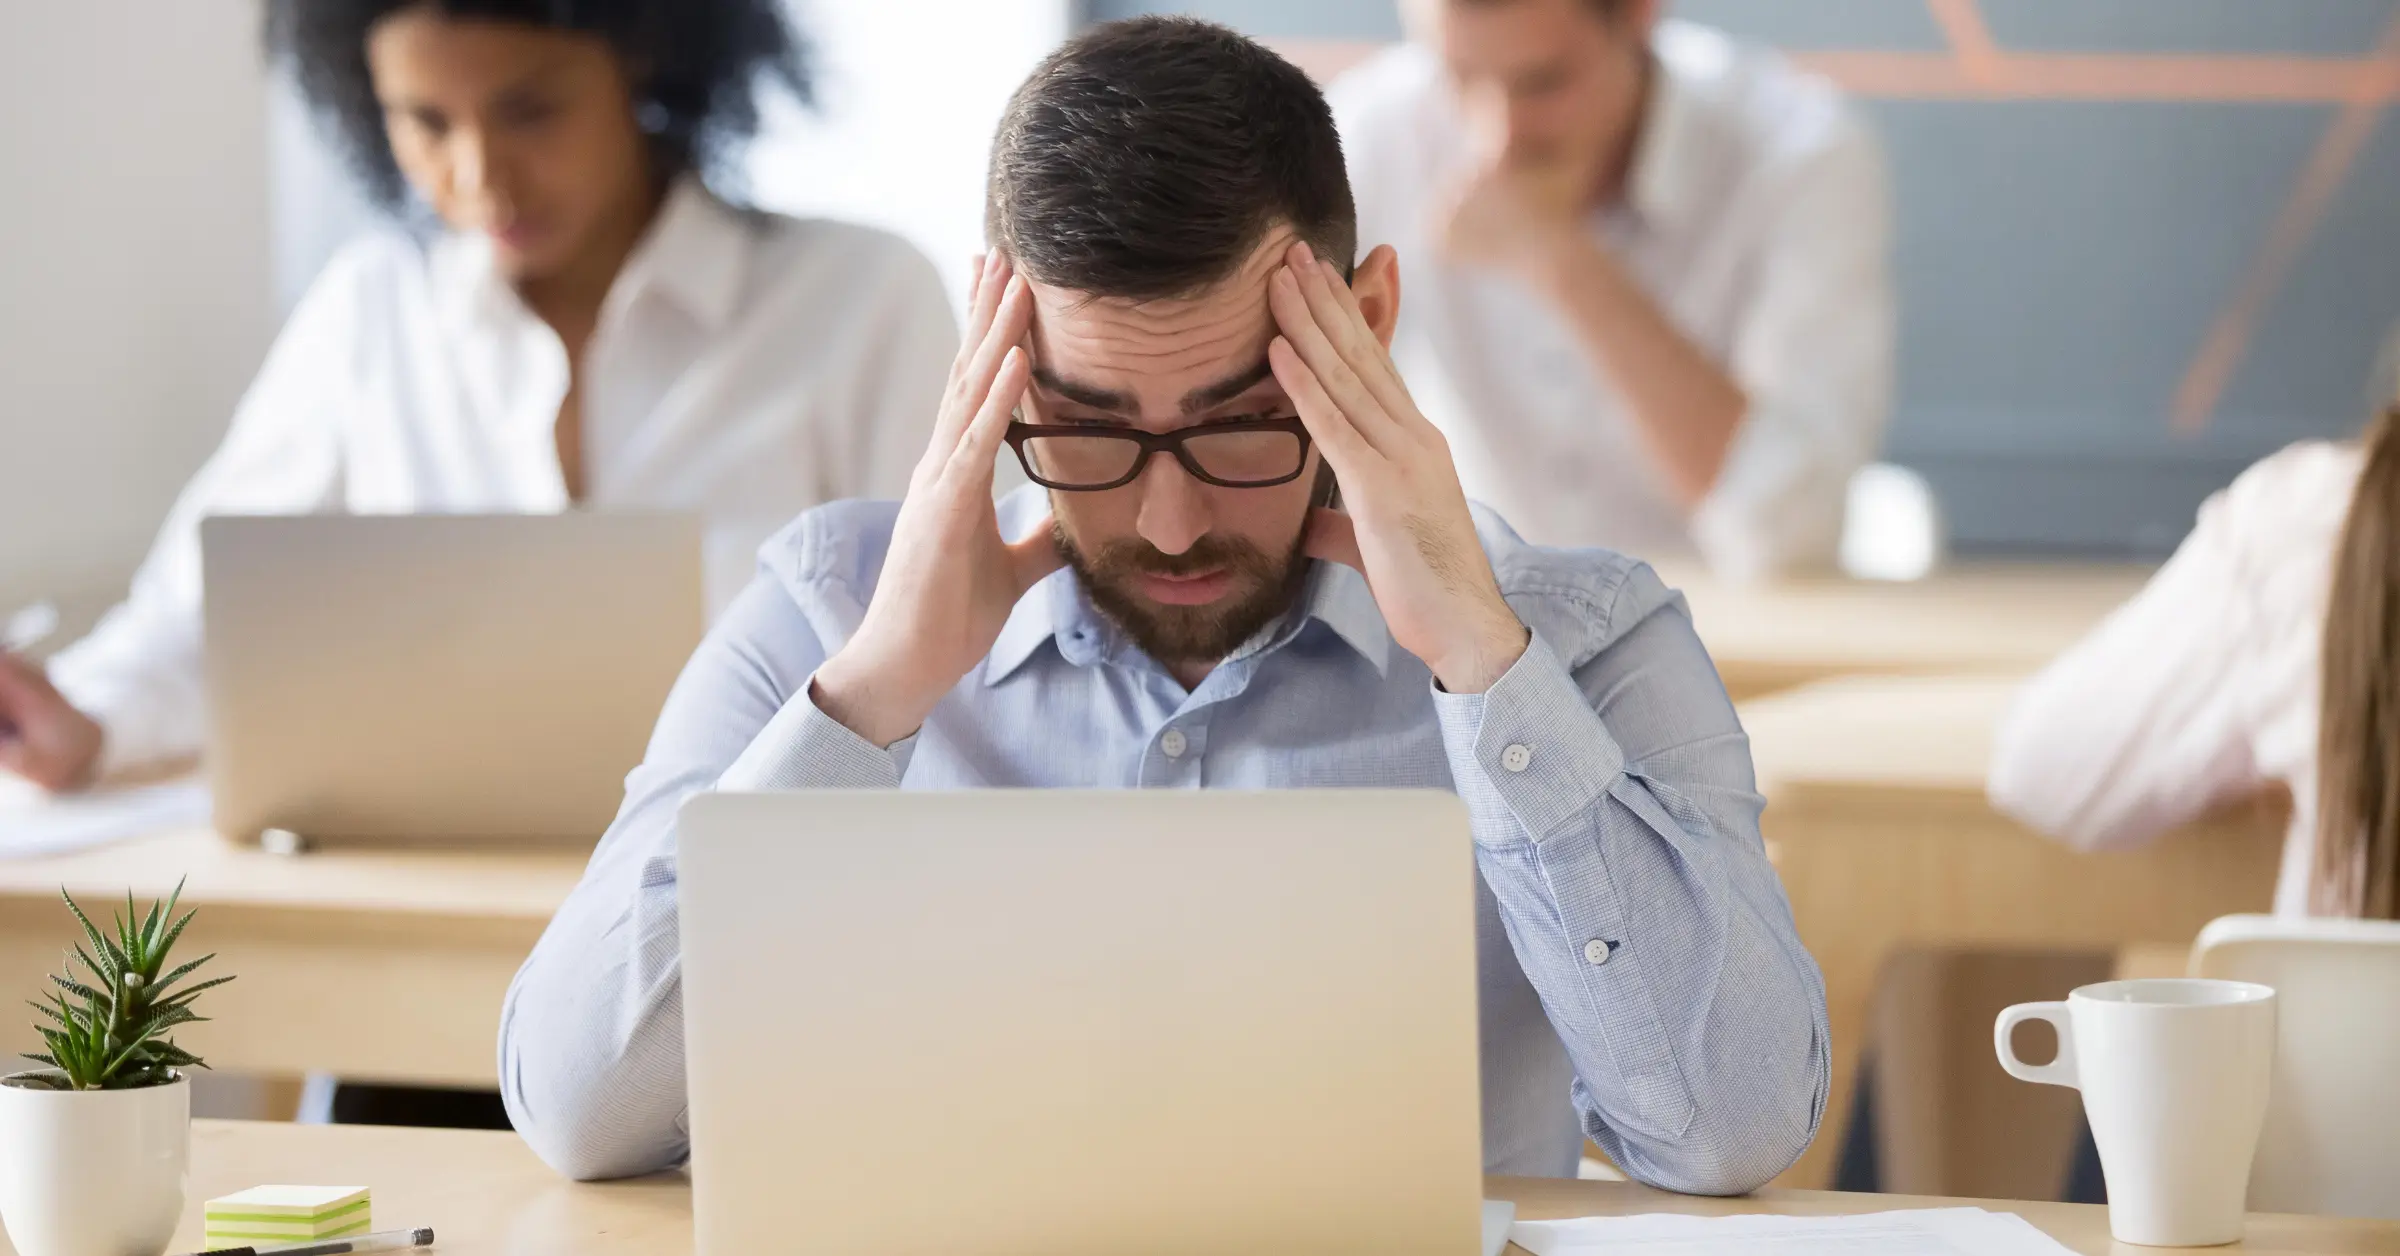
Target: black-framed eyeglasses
[[1248, 453]]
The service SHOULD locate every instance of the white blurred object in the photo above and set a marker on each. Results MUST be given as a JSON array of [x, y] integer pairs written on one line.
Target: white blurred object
[[909, 96], [34, 821], [1948, 1230], [1893, 528], [2331, 1145], [28, 628]]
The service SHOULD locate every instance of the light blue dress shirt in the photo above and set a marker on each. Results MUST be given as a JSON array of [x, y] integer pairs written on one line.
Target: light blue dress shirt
[[1641, 978]]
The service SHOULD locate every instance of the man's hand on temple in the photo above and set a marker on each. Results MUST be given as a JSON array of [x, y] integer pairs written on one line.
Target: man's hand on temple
[[1515, 216], [951, 578], [1405, 523]]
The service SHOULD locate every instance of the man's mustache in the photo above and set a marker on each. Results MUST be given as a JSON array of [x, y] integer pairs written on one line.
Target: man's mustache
[[1207, 554]]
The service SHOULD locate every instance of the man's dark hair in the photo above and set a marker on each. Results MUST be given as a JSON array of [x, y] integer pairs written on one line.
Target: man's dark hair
[[1149, 158], [693, 65]]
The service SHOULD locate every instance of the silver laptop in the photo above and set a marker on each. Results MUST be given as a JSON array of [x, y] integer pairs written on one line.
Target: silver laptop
[[1059, 1023], [439, 679]]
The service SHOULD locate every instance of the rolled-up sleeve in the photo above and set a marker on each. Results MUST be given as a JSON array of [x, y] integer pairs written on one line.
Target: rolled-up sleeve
[[591, 1035], [1815, 355], [1616, 822]]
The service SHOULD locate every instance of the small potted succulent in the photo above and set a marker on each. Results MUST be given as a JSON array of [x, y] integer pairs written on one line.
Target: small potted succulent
[[95, 1145]]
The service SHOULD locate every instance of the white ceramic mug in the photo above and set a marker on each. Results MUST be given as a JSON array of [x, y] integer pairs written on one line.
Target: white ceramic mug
[[93, 1173], [2174, 1078]]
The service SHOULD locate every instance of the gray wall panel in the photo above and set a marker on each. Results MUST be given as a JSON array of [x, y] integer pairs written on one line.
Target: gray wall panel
[[1884, 25], [2309, 363], [2048, 253], [2331, 28]]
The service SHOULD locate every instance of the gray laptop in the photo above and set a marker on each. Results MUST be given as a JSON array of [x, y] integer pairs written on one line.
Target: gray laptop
[[439, 679], [1059, 1023]]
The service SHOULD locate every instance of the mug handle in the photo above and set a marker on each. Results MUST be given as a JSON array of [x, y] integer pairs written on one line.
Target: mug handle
[[2058, 1072]]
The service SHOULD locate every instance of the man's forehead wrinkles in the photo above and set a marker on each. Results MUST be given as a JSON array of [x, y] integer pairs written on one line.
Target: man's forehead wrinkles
[[1183, 356]]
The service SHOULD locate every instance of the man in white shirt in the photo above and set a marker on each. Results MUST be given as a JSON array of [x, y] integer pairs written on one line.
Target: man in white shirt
[[1649, 291]]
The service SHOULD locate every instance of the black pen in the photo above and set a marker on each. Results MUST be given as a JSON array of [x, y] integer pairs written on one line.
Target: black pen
[[386, 1241]]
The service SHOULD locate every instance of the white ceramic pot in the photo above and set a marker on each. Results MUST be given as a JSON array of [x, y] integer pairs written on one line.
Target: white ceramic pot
[[94, 1172]]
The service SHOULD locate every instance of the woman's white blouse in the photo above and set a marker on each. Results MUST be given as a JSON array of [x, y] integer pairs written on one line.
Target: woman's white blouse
[[745, 367], [2204, 686]]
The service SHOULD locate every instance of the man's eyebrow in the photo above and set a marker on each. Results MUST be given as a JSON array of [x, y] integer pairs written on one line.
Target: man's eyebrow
[[1210, 396], [1205, 397], [1082, 394]]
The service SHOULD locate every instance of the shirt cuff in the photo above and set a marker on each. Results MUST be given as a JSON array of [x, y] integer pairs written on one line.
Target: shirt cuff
[[804, 748], [1529, 748]]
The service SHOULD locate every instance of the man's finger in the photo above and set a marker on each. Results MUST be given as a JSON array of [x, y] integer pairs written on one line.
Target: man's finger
[[1346, 450], [1336, 310], [1373, 362], [1345, 328], [991, 287], [980, 447], [1006, 327], [1333, 537], [1340, 384]]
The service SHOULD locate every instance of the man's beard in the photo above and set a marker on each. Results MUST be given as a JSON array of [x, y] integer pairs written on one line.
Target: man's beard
[[1265, 589]]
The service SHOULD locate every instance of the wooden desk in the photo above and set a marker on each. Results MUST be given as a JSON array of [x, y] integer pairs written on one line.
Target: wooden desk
[[1988, 618], [484, 1193], [372, 966], [1877, 820]]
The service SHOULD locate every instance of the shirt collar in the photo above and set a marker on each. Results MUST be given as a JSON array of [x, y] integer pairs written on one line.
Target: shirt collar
[[1056, 610], [1338, 597], [693, 255]]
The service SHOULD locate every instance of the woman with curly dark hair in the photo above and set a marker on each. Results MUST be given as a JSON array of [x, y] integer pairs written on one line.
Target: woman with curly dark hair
[[562, 313]]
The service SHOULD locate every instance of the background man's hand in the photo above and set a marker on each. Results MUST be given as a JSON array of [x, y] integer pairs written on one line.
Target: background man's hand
[[43, 738], [950, 578], [1513, 216], [1407, 527]]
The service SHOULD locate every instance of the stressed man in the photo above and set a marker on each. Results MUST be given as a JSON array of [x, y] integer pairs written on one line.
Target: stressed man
[[1245, 562], [1649, 290]]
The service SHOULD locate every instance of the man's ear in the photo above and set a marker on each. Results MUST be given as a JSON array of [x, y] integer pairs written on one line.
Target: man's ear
[[1376, 284]]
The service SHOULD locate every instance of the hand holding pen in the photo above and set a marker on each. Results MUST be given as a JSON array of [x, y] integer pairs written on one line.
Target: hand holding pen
[[42, 736]]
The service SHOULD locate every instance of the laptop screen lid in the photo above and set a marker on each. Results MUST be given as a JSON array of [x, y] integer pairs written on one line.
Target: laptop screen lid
[[1059, 1022], [440, 678]]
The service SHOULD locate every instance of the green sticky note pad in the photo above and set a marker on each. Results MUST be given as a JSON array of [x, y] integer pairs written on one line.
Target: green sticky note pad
[[286, 1214]]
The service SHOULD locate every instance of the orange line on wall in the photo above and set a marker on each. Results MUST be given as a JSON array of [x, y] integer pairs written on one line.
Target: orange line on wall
[[2329, 164], [1979, 57], [2116, 77], [2035, 76], [1325, 59]]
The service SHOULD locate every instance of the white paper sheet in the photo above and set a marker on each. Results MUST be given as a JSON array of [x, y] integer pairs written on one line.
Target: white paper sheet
[[33, 822], [1924, 1232], [1497, 1213]]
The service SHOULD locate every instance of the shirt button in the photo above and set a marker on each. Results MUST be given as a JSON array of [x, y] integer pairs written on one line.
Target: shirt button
[[1517, 757], [1174, 743], [1596, 951]]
